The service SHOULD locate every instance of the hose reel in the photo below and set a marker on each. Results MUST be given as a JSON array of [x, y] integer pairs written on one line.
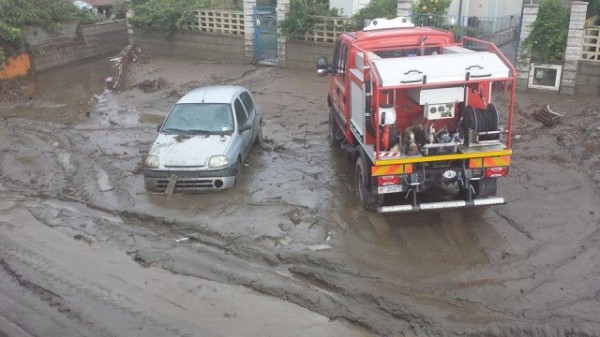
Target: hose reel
[[483, 123]]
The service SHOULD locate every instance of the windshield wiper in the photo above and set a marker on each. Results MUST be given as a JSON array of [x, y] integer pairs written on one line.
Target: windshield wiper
[[201, 132], [174, 130]]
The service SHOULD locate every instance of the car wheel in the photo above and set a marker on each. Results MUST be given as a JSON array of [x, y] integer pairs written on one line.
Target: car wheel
[[238, 171], [363, 185], [335, 134], [259, 137]]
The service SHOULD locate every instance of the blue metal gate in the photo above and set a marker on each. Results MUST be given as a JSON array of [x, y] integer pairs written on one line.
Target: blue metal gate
[[265, 35]]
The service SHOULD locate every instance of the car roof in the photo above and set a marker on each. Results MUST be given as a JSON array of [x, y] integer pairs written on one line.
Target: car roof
[[212, 94]]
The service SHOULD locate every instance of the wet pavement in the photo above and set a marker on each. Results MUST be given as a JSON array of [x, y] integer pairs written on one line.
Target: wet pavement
[[79, 235]]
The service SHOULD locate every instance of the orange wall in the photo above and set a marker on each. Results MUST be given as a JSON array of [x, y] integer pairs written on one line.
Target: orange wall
[[16, 66]]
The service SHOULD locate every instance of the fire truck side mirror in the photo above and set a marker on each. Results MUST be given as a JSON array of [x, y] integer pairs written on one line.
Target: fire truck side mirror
[[322, 66]]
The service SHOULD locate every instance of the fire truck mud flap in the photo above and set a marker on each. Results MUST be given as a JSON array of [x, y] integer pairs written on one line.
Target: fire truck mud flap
[[441, 205]]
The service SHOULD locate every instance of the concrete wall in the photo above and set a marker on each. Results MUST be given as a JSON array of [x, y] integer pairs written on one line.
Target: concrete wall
[[588, 78], [73, 43], [230, 48], [303, 55]]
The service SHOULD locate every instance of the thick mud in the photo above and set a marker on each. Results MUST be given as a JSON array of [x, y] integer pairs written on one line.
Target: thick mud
[[85, 250]]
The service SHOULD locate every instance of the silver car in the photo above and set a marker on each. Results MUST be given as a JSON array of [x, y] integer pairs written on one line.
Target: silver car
[[204, 141]]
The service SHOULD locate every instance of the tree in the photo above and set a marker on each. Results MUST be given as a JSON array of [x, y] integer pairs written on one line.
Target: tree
[[548, 37], [301, 17], [376, 9], [430, 12], [47, 14], [431, 8]]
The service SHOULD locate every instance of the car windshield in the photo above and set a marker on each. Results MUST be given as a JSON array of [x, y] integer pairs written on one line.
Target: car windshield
[[199, 118]]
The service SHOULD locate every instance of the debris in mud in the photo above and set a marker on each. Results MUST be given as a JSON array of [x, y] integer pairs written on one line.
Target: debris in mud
[[174, 93], [181, 240], [317, 248], [148, 258], [547, 116], [294, 216], [149, 86], [83, 238]]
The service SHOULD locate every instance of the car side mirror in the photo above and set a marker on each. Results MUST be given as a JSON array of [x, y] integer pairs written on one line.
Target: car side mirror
[[158, 127], [323, 67]]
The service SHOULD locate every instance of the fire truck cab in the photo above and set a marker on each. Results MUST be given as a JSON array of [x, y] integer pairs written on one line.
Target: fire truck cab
[[414, 110]]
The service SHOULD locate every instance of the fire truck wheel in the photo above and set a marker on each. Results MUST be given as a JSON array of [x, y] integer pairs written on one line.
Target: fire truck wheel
[[363, 185], [486, 187], [334, 130]]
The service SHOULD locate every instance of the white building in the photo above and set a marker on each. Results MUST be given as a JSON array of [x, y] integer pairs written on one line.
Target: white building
[[485, 8], [463, 8]]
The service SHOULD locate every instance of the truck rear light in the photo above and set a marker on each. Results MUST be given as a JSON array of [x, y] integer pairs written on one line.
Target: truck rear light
[[493, 172], [388, 180]]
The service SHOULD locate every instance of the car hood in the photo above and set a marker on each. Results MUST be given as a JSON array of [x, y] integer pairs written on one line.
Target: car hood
[[188, 150]]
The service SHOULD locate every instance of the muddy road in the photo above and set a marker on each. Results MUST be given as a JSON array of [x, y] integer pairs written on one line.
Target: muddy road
[[86, 251]]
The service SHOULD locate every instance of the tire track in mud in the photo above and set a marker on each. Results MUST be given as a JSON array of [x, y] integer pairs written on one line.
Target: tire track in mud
[[39, 277], [314, 283], [75, 167]]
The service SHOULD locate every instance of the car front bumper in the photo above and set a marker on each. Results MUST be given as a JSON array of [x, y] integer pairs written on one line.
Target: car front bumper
[[190, 181]]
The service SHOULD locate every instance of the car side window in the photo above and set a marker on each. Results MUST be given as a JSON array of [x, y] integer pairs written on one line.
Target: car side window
[[240, 112], [248, 102]]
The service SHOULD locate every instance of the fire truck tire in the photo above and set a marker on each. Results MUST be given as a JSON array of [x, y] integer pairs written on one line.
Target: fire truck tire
[[334, 130], [487, 187], [363, 185]]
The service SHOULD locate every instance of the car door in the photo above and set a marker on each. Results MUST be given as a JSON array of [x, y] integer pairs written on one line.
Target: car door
[[253, 115], [245, 137], [337, 88]]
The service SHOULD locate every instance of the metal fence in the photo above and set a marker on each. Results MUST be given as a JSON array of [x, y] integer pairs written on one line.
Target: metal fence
[[327, 29], [590, 46], [218, 21]]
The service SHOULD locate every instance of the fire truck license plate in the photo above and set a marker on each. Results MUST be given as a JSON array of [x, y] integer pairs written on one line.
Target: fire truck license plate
[[389, 189]]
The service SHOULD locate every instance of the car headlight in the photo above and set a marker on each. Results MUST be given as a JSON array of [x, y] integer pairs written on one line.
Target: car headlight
[[152, 162], [218, 161]]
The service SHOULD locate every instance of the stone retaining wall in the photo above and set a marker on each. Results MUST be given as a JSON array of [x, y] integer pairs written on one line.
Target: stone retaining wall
[[73, 43], [588, 78], [225, 47], [303, 55]]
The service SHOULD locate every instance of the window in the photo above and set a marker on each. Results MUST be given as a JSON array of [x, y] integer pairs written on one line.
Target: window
[[545, 76], [240, 112], [336, 56], [342, 61], [248, 102]]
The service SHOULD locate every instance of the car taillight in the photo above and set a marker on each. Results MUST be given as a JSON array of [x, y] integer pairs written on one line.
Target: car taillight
[[493, 172], [388, 180]]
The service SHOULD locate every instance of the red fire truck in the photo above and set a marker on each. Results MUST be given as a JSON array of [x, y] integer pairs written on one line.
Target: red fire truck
[[414, 110]]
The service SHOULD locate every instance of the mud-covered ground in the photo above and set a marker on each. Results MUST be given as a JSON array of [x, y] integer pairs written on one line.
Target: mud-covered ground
[[86, 251]]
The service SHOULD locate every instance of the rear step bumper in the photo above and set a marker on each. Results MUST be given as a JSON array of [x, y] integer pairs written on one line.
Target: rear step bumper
[[441, 205]]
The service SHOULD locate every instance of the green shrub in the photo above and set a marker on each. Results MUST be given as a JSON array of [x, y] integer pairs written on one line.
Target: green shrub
[[300, 17], [549, 34], [47, 14], [170, 16], [376, 9], [430, 12]]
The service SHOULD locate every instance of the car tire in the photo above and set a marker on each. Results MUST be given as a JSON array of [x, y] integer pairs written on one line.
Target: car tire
[[334, 130], [259, 138], [238, 171], [363, 185]]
